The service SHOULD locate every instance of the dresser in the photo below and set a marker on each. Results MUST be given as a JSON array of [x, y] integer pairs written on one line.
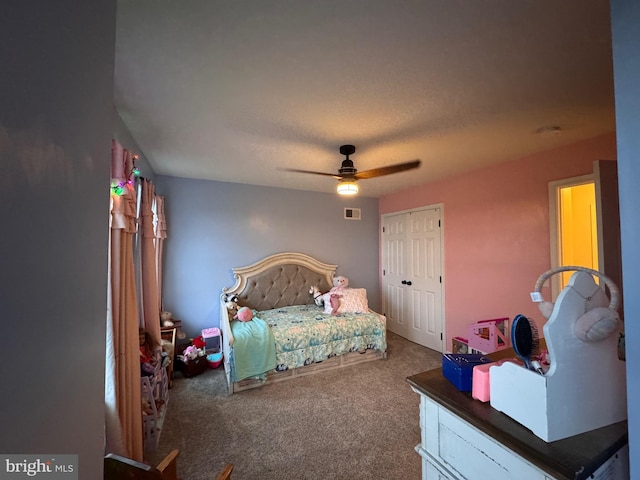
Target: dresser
[[463, 438]]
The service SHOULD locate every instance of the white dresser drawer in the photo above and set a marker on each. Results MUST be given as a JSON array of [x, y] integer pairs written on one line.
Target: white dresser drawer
[[430, 471], [466, 451]]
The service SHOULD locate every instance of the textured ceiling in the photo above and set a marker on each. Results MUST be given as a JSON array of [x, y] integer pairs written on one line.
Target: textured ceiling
[[237, 90]]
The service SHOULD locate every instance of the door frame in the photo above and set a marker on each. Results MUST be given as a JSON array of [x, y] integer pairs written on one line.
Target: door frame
[[554, 232], [434, 206]]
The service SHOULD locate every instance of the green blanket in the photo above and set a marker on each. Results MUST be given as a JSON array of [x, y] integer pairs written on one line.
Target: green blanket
[[254, 349]]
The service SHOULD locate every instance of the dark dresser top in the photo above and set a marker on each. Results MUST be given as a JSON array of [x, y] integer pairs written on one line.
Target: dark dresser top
[[572, 458]]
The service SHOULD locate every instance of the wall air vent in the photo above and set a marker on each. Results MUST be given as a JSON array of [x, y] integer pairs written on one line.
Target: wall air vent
[[352, 214]]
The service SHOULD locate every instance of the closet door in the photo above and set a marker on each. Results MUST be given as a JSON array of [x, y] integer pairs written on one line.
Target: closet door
[[394, 254], [412, 276]]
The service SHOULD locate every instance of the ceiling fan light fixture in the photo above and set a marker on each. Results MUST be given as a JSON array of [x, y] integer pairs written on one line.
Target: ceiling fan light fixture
[[348, 175], [347, 187]]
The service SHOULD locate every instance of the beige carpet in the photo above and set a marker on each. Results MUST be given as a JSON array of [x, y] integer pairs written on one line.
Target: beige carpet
[[357, 422]]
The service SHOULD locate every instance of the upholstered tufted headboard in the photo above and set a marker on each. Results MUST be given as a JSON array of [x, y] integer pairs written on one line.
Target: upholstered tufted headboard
[[280, 280]]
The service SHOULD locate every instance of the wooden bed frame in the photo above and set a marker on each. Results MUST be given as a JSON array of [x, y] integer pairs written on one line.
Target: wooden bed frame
[[280, 280]]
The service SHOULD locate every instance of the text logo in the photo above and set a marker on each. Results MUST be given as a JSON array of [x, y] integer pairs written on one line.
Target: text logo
[[39, 467]]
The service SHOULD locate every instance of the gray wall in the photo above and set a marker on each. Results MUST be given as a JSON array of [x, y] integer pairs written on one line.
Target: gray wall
[[215, 226], [122, 134], [56, 101], [626, 45]]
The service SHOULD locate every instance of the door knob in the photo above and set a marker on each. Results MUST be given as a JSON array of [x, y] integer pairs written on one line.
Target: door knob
[[404, 282], [408, 282]]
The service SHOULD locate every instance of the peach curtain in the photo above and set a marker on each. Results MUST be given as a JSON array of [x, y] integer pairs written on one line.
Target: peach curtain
[[122, 380], [149, 275], [160, 234]]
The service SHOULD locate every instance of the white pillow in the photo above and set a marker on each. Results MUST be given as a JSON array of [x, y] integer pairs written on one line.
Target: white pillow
[[354, 300]]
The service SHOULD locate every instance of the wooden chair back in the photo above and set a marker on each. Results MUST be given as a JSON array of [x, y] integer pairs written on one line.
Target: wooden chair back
[[117, 467]]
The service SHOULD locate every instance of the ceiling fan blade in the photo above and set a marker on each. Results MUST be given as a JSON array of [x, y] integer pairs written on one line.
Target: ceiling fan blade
[[312, 172], [378, 172]]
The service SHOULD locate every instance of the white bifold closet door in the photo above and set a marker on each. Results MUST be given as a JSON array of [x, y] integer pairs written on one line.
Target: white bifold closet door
[[412, 285]]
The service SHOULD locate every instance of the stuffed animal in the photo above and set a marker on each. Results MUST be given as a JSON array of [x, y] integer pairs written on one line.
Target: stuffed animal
[[340, 282], [317, 296], [166, 319], [231, 302], [334, 299], [331, 299], [199, 342], [190, 353], [244, 314]]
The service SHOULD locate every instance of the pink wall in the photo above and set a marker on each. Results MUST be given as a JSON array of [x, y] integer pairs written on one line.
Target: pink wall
[[496, 230]]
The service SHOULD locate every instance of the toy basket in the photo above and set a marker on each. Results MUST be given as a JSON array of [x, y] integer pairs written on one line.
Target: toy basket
[[213, 346]]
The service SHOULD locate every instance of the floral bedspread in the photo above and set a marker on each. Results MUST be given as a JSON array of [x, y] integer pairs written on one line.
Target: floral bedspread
[[304, 334]]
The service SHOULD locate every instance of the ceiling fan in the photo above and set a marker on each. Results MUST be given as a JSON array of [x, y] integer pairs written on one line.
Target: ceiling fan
[[348, 175]]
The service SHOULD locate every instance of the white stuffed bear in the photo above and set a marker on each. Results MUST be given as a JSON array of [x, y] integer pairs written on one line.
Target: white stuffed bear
[[166, 319], [322, 299], [340, 282]]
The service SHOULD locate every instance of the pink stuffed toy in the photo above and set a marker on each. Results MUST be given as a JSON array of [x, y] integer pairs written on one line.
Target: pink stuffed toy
[[334, 299], [331, 299], [244, 314]]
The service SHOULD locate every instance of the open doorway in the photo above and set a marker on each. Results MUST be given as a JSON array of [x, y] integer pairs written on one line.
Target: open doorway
[[585, 223], [574, 226]]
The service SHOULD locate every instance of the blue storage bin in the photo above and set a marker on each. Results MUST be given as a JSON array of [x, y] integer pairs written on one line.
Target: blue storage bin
[[458, 368]]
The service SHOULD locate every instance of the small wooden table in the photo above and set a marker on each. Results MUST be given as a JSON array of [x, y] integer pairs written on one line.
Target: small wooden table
[[169, 335]]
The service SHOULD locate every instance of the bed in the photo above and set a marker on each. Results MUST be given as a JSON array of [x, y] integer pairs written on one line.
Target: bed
[[296, 337]]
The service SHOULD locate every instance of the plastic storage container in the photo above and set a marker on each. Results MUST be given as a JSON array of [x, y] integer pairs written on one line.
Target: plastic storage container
[[458, 368], [212, 339], [481, 379]]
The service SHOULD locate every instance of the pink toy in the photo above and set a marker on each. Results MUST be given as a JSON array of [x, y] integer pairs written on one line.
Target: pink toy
[[244, 314], [488, 336], [480, 380], [331, 299], [334, 298], [191, 352]]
